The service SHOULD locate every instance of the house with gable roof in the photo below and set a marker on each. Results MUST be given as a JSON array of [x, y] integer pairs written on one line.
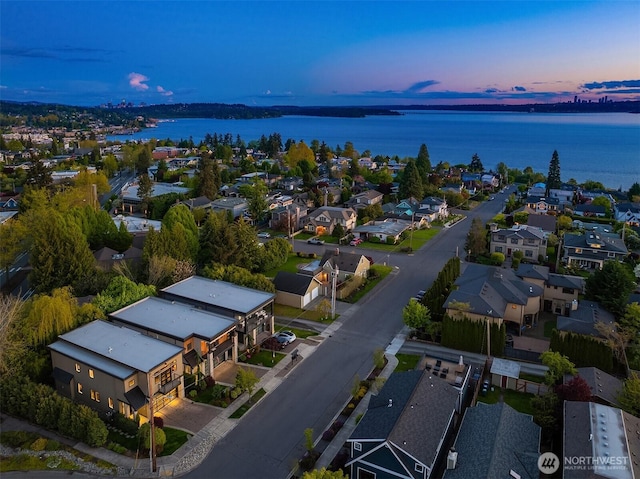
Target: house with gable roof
[[582, 318], [495, 441], [364, 199], [605, 388], [295, 289], [405, 428], [434, 207], [591, 249], [628, 212], [531, 241], [489, 293], [114, 369], [560, 290], [323, 220]]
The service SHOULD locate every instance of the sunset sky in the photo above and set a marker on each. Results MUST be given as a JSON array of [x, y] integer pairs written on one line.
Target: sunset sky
[[319, 53]]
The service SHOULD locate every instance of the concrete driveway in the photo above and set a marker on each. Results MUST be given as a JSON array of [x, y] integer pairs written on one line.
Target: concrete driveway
[[187, 415]]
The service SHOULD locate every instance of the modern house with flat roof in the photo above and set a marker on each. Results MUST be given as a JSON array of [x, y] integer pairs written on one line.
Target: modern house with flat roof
[[252, 309], [114, 369], [607, 437], [207, 339]]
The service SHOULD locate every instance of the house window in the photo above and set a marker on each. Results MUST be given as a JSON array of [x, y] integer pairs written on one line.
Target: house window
[[501, 238], [528, 254], [77, 368], [419, 467], [123, 409], [91, 373], [110, 401], [498, 249], [79, 388], [611, 255], [364, 474], [514, 240], [567, 290], [357, 446], [578, 250], [132, 382], [95, 395]]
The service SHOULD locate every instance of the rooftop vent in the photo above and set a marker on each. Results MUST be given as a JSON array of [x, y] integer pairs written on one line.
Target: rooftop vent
[[390, 403]]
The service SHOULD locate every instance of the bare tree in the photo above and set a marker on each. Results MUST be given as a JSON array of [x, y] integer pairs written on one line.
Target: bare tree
[[10, 314]]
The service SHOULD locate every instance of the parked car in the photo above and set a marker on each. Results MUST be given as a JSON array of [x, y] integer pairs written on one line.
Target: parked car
[[421, 294], [491, 198], [485, 387], [355, 242], [264, 234], [285, 337], [315, 241]]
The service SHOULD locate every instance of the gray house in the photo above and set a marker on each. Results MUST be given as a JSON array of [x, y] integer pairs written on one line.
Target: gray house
[[591, 249], [494, 441], [114, 369], [207, 339], [405, 427], [251, 308]]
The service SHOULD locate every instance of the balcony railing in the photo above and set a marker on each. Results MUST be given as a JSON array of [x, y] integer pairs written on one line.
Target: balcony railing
[[166, 387]]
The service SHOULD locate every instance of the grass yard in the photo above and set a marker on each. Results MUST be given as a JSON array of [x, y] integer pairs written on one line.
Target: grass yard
[[291, 312], [420, 237], [291, 266], [382, 271], [549, 326], [407, 362], [531, 377], [175, 439], [265, 357], [247, 405], [521, 402]]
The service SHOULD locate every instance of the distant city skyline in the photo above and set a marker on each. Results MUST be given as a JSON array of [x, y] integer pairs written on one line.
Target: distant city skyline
[[322, 53]]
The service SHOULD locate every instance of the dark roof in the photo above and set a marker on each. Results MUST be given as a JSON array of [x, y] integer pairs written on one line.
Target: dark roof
[[599, 241], [494, 440], [344, 261], [533, 271], [549, 201], [488, 290], [566, 281], [136, 398], [544, 222], [603, 386], [292, 282], [589, 208], [582, 320], [104, 254], [412, 411]]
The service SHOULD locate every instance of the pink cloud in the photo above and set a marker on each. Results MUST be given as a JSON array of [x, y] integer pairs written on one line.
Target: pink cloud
[[164, 92], [136, 81]]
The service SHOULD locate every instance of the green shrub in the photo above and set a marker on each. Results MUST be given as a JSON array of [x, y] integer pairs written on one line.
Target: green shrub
[[39, 444], [497, 258], [52, 445], [193, 393], [16, 438]]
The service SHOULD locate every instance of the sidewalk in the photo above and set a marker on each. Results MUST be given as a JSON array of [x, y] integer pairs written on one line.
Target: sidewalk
[[196, 449]]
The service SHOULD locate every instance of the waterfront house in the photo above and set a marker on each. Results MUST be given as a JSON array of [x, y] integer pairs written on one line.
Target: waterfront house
[[323, 220], [628, 213]]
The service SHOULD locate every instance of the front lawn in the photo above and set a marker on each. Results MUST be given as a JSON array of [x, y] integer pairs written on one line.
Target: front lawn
[[420, 237], [247, 405], [291, 266], [291, 312], [381, 271], [175, 439], [265, 357]]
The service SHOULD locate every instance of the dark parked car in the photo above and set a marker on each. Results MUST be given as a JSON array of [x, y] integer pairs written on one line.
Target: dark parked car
[[485, 387]]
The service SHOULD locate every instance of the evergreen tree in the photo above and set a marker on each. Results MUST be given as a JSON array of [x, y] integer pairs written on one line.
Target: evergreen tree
[[476, 165], [423, 163], [553, 178], [60, 253], [411, 183]]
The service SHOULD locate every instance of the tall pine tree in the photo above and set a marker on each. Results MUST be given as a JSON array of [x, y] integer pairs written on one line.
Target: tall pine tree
[[423, 163], [553, 178]]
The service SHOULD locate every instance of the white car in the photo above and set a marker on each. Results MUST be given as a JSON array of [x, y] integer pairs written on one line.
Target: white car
[[264, 234], [285, 337]]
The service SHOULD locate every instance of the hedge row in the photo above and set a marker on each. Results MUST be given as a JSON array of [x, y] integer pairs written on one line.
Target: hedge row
[[41, 405], [468, 335], [437, 294], [583, 351]]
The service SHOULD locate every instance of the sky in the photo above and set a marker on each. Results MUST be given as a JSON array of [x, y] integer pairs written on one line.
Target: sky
[[319, 53]]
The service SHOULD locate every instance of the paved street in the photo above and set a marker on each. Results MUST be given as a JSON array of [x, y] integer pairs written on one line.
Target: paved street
[[268, 442]]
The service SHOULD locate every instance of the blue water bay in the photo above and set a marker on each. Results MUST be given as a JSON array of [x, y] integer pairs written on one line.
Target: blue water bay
[[602, 146]]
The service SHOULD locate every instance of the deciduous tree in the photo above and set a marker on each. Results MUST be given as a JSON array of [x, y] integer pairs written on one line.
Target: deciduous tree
[[558, 365], [629, 397], [246, 380], [476, 238], [611, 286]]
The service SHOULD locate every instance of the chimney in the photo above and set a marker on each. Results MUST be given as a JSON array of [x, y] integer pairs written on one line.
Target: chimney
[[452, 459]]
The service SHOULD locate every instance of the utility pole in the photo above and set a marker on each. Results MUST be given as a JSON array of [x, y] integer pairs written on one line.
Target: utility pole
[[334, 281], [152, 432]]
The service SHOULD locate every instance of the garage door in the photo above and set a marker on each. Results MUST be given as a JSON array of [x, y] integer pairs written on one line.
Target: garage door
[[315, 293], [306, 299]]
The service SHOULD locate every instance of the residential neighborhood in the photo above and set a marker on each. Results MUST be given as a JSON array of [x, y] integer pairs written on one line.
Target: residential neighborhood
[[185, 285]]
